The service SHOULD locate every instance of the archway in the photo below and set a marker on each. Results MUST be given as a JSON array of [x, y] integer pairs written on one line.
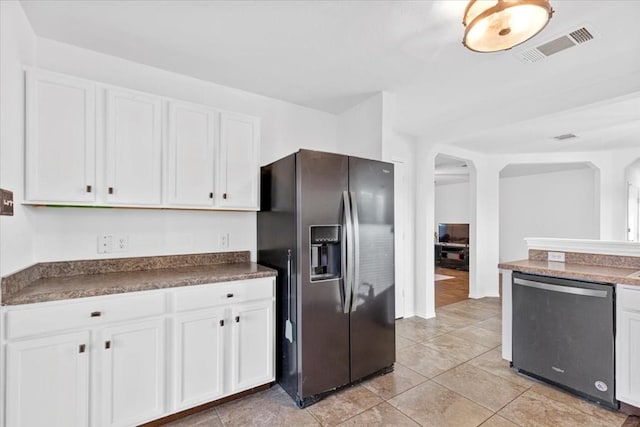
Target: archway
[[632, 178]]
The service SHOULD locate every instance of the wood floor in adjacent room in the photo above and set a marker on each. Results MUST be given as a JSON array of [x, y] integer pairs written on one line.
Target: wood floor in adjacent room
[[454, 290]]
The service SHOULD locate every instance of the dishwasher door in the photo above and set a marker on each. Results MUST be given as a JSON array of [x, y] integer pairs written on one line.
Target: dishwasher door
[[563, 333]]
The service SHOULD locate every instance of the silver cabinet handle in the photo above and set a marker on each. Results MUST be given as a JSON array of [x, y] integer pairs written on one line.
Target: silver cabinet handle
[[289, 283]]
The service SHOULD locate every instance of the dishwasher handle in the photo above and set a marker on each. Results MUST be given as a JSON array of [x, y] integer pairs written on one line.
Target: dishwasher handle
[[559, 288]]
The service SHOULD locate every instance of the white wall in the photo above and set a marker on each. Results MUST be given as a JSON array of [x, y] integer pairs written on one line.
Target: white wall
[[47, 234], [452, 203], [286, 127], [558, 204], [360, 129], [17, 48], [633, 173], [399, 149]]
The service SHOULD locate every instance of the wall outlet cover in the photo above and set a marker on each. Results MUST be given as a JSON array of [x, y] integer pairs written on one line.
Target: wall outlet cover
[[105, 244], [555, 256]]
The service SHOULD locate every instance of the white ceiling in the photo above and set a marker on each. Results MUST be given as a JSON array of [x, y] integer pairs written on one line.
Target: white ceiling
[[330, 55]]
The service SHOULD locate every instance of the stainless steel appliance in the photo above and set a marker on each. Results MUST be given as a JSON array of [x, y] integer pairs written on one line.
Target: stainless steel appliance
[[563, 333], [326, 225]]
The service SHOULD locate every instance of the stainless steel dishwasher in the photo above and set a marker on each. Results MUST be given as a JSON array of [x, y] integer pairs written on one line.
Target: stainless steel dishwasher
[[563, 334]]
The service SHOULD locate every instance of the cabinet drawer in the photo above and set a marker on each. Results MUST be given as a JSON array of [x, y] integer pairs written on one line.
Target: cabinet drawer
[[214, 294], [34, 319]]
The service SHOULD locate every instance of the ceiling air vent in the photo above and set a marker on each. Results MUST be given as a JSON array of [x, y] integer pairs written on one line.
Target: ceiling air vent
[[565, 136], [565, 41]]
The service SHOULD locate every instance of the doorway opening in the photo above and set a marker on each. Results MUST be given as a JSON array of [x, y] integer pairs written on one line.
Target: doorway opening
[[452, 206]]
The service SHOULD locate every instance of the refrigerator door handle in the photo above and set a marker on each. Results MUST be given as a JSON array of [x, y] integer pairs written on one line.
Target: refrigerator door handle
[[356, 252], [346, 252]]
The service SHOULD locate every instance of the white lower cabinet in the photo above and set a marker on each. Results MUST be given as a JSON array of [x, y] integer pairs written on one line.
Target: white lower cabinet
[[227, 349], [112, 361], [252, 345], [628, 345], [132, 371], [48, 381], [199, 357]]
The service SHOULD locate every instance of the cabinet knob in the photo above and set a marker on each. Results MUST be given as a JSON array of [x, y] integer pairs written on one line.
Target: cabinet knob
[[110, 190], [224, 196], [222, 323], [88, 189], [237, 319], [96, 313], [211, 195], [229, 295], [107, 345], [82, 348]]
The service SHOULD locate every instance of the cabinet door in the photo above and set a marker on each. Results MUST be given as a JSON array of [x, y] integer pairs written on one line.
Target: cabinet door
[[133, 148], [199, 357], [48, 381], [252, 345], [192, 135], [628, 352], [133, 367], [60, 153], [238, 168]]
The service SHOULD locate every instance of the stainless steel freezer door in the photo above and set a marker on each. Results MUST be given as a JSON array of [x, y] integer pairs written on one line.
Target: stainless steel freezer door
[[373, 307], [323, 326]]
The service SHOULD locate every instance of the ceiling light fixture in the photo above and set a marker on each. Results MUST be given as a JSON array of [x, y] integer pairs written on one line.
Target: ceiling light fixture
[[494, 25]]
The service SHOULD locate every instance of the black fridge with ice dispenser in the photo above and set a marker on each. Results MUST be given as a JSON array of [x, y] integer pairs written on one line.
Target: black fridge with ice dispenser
[[326, 224]]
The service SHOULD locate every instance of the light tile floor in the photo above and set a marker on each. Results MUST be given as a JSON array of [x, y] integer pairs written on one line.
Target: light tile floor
[[449, 372]]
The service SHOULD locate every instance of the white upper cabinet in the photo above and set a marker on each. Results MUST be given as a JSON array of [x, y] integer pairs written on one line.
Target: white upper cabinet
[[191, 155], [133, 148], [60, 155], [238, 171], [93, 144]]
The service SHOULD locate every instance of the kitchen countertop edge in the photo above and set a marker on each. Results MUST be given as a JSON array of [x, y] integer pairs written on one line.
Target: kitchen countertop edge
[[38, 291], [597, 273]]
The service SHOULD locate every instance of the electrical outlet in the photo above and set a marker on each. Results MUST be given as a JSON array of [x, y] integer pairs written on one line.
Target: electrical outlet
[[223, 241], [555, 256], [121, 243], [105, 244]]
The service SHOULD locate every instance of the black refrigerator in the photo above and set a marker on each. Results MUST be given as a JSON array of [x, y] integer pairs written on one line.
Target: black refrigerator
[[326, 224]]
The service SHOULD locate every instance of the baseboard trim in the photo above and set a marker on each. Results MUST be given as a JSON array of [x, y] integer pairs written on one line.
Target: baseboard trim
[[183, 414], [629, 409]]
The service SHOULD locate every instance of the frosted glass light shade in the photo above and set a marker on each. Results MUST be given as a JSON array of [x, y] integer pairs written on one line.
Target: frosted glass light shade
[[493, 25]]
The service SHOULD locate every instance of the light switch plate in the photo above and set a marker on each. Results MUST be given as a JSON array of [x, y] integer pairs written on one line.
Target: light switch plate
[[6, 202]]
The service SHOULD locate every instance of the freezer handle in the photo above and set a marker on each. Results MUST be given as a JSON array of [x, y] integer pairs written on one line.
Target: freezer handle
[[289, 283], [347, 243], [356, 252], [558, 288]]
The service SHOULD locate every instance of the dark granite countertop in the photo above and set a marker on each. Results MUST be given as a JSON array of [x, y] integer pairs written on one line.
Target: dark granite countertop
[[597, 273], [67, 280]]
